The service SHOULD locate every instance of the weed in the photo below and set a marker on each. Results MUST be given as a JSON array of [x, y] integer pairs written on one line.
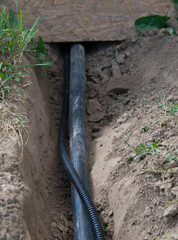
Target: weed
[[172, 155], [104, 227], [160, 171], [149, 22], [145, 129], [15, 39], [142, 150], [172, 32], [169, 111], [165, 237], [150, 148], [173, 202], [12, 124], [116, 54], [145, 99]]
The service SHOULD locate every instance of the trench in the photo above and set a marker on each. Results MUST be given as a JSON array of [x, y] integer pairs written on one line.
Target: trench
[[48, 206], [110, 113]]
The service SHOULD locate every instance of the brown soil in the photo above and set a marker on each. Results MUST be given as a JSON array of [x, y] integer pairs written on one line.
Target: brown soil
[[121, 91]]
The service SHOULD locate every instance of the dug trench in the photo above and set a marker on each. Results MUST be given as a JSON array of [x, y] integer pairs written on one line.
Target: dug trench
[[135, 195]]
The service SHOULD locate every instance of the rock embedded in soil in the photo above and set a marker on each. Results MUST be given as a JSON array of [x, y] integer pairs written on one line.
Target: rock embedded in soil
[[175, 191], [171, 210], [95, 110], [117, 86]]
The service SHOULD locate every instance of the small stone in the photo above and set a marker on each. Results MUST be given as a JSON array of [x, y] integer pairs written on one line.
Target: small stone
[[110, 213], [116, 70], [172, 210], [175, 191], [53, 225], [95, 111], [121, 58], [127, 53], [172, 23], [147, 212], [117, 86], [62, 228]]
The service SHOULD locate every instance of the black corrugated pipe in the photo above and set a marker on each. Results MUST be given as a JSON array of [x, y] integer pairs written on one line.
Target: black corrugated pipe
[[74, 176]]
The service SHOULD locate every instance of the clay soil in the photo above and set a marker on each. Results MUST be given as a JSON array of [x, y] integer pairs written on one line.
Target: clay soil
[[129, 85]]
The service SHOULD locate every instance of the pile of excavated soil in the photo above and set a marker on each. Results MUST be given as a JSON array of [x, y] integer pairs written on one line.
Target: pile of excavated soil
[[135, 195], [127, 91]]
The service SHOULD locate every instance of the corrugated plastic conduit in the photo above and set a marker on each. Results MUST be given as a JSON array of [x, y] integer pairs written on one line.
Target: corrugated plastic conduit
[[83, 208]]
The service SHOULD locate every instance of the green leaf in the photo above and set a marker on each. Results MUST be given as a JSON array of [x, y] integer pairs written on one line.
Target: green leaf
[[40, 48], [154, 144], [38, 64], [175, 1], [145, 129], [152, 21], [105, 225], [172, 32], [17, 79], [13, 21], [2, 75], [21, 95], [174, 108]]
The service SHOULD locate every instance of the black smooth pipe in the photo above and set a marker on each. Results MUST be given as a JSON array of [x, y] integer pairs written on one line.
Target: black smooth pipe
[[78, 138], [75, 179]]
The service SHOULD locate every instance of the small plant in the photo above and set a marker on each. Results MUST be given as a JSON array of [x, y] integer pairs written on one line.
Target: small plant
[[172, 32], [145, 129], [15, 39], [104, 227], [116, 54], [145, 99], [142, 150], [173, 202], [160, 171], [172, 155], [169, 111], [165, 237], [151, 148], [153, 21]]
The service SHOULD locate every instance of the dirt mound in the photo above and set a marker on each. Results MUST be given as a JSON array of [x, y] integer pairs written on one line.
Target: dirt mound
[[133, 136]]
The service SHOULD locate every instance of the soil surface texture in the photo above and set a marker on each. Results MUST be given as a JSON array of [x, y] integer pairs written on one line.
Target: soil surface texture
[[132, 145]]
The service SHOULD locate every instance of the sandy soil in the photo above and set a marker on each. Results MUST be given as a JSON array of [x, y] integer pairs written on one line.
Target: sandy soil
[[133, 199], [124, 80]]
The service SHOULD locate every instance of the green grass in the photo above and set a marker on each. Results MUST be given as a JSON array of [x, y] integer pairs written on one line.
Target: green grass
[[143, 149], [165, 237], [15, 40], [169, 111], [173, 202], [160, 171]]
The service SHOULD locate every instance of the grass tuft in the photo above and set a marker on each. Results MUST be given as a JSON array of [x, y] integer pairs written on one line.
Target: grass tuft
[[169, 111], [15, 40]]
